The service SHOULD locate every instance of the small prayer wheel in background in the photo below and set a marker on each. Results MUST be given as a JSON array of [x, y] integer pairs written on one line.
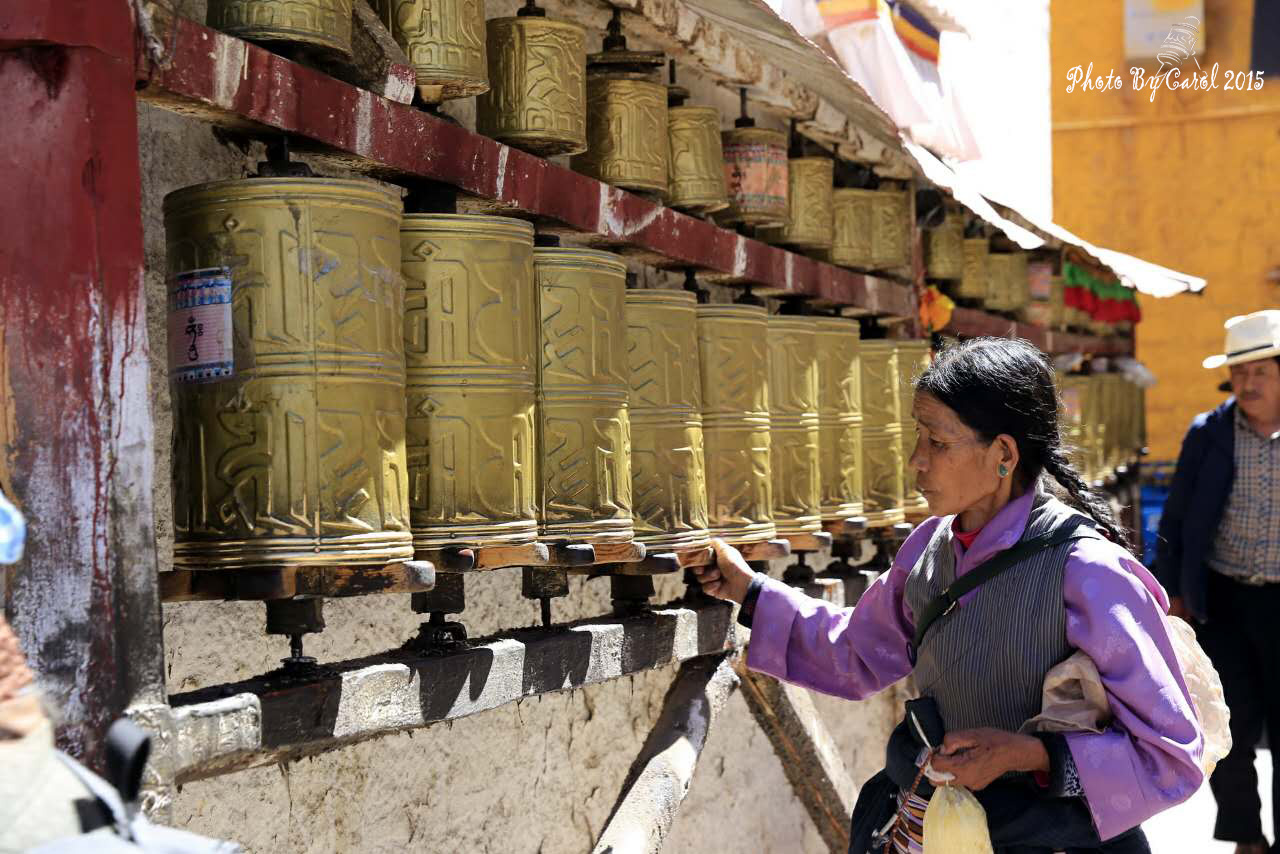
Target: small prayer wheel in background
[[1000, 273], [913, 360], [286, 361], [794, 457], [974, 276], [1074, 390], [584, 431], [734, 359], [537, 84], [809, 204], [695, 170], [668, 477], [839, 418], [944, 248], [1019, 283], [851, 236], [755, 172], [471, 337], [1057, 306], [883, 459], [322, 24], [626, 116], [445, 41], [890, 229]]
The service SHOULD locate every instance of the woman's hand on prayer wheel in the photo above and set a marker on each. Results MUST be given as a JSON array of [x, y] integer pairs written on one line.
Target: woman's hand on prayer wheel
[[978, 756], [727, 578]]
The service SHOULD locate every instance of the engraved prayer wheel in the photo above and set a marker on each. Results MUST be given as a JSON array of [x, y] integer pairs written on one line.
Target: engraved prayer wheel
[[794, 456], [810, 218], [1018, 285], [445, 42], [944, 248], [1000, 274], [1057, 306], [470, 341], [668, 478], [851, 237], [1078, 431], [755, 173], [890, 229], [883, 457], [537, 85], [287, 371], [839, 418], [696, 173], [733, 357], [913, 360], [974, 277], [584, 436], [324, 24], [626, 131]]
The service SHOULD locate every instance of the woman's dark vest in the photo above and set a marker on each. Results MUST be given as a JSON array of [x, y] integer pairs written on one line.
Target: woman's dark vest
[[985, 662]]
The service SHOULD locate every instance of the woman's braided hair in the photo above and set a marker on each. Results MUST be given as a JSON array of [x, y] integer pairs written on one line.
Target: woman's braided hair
[[997, 385]]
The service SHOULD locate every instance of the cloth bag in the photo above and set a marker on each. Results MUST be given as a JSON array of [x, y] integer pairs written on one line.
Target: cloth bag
[[1073, 699]]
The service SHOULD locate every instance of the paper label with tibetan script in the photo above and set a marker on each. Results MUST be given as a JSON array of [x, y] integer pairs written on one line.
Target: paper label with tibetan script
[[200, 346]]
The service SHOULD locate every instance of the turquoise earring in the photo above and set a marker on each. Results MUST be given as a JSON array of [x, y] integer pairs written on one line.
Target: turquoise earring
[[1004, 472]]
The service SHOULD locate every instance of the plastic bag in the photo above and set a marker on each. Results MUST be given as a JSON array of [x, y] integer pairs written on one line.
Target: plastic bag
[[955, 823], [1073, 699], [1205, 689]]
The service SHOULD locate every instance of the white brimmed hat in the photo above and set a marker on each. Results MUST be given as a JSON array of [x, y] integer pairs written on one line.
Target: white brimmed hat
[[1249, 337]]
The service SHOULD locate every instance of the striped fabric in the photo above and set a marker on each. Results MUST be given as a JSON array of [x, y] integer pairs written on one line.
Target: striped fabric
[[984, 663], [1247, 546]]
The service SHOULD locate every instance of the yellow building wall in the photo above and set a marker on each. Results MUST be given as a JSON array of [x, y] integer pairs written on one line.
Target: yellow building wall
[[1190, 180]]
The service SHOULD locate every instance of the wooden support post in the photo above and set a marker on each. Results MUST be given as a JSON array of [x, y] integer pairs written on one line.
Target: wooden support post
[[660, 776], [76, 441], [809, 756]]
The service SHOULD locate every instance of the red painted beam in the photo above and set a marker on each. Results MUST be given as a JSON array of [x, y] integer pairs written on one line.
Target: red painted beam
[[231, 82], [971, 323], [75, 430]]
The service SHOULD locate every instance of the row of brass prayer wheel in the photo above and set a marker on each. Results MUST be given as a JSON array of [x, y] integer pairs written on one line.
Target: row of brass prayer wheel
[[996, 280], [539, 90], [1104, 422], [351, 383]]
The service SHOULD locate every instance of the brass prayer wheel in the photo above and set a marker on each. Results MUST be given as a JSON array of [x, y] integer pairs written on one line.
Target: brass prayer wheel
[[755, 173], [944, 248], [794, 456], [584, 436], [1078, 431], [696, 174], [470, 341], [810, 219], [287, 370], [733, 357], [668, 478], [974, 276], [883, 457], [1057, 306], [1018, 286], [626, 131], [1000, 276], [839, 418], [851, 238], [324, 24], [445, 42], [913, 360], [537, 85], [890, 229]]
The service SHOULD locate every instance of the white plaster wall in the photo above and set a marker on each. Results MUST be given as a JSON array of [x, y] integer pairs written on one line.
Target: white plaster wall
[[538, 776]]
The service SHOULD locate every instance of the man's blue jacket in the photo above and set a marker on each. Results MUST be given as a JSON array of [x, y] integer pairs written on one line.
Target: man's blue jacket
[[1197, 497]]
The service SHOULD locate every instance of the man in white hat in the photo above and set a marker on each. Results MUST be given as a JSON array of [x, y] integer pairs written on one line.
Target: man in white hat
[[1218, 556]]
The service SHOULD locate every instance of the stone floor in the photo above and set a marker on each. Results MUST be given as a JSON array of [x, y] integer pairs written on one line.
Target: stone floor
[[1188, 829]]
